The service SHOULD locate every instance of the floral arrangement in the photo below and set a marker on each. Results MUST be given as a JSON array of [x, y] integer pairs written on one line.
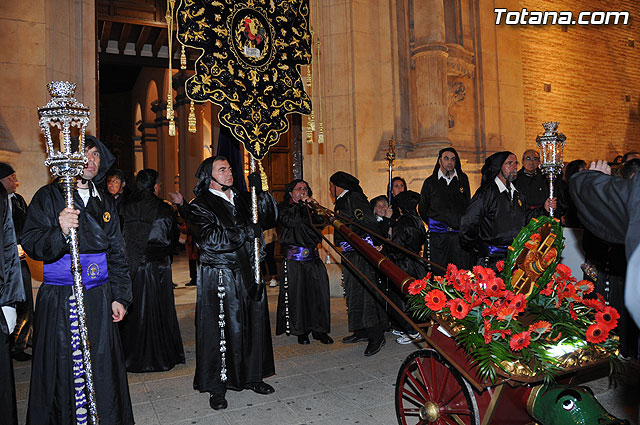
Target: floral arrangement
[[499, 326]]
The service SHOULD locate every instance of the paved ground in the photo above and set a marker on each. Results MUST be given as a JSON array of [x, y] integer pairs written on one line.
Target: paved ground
[[315, 384]]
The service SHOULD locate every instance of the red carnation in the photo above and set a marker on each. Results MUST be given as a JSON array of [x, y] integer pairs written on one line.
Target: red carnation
[[520, 341], [495, 287], [459, 309], [452, 269], [597, 333], [461, 281], [500, 265], [506, 312], [518, 303], [597, 305], [563, 271], [584, 286], [548, 290], [540, 327], [481, 273], [435, 300], [417, 286], [608, 318]]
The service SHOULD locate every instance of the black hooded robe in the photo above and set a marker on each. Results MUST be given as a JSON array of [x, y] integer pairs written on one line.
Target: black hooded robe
[[493, 219], [11, 293], [307, 283], [225, 240], [150, 332], [446, 204], [51, 397], [24, 326], [364, 308]]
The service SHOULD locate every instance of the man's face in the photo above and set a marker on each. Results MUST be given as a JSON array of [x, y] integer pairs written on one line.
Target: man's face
[[397, 187], [510, 168], [10, 183], [332, 191], [300, 191], [447, 162], [381, 208], [221, 171], [530, 161], [114, 185], [91, 170]]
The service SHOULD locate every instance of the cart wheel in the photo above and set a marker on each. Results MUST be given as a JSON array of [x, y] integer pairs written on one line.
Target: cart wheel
[[431, 391]]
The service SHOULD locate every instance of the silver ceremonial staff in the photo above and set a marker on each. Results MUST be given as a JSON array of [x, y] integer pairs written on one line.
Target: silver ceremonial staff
[[59, 118], [551, 147], [254, 219]]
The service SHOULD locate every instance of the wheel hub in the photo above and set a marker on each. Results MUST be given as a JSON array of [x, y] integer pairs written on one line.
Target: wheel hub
[[430, 412]]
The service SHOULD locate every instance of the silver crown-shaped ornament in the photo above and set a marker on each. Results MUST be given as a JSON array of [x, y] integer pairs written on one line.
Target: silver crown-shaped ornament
[[551, 147], [64, 120]]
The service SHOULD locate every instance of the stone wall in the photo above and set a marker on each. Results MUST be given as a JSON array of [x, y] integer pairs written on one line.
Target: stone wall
[[591, 70], [41, 41]]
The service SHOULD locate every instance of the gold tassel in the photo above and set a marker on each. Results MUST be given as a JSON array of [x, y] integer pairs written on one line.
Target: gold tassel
[[172, 127], [183, 59], [321, 134], [192, 118], [263, 177]]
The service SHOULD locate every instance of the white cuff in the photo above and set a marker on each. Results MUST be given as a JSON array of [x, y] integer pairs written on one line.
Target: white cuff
[[10, 316]]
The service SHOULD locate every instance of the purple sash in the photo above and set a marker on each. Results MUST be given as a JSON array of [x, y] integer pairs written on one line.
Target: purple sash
[[493, 250], [93, 267], [436, 226], [300, 253], [348, 248]]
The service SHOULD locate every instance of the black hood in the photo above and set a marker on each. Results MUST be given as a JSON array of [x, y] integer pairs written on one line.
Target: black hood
[[493, 165], [106, 160], [408, 201], [204, 176], [346, 181], [437, 166]]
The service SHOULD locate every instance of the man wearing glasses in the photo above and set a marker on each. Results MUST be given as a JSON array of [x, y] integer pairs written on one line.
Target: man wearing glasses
[[530, 181]]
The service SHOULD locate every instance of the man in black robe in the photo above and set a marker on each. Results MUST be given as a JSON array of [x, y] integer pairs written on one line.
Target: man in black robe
[[497, 212], [443, 200], [150, 332], [11, 294], [21, 336], [45, 237], [303, 301], [530, 182], [233, 337], [365, 311]]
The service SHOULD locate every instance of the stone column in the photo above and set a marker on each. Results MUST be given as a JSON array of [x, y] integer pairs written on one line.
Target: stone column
[[149, 143], [429, 55], [189, 144]]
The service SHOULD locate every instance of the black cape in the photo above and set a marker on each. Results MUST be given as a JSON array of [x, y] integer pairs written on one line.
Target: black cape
[[364, 307], [11, 292], [305, 284], [492, 218], [150, 333], [24, 325], [225, 239], [51, 396]]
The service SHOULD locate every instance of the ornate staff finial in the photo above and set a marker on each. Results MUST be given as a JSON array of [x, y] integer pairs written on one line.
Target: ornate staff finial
[[551, 147]]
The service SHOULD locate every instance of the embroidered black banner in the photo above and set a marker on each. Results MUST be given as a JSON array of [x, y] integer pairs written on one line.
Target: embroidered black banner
[[249, 66]]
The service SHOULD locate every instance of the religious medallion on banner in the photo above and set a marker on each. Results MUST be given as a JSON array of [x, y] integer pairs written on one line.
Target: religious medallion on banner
[[251, 51]]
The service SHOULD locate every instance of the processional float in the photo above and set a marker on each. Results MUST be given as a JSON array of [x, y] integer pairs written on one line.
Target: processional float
[[503, 349], [60, 119]]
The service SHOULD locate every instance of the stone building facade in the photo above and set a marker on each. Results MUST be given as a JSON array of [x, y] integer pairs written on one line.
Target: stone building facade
[[429, 73]]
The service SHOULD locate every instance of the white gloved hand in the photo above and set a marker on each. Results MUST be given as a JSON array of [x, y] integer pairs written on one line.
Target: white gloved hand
[[10, 316]]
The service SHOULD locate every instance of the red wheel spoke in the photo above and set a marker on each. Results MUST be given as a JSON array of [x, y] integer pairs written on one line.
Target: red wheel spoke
[[453, 397], [419, 386], [415, 397], [443, 385], [427, 387]]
